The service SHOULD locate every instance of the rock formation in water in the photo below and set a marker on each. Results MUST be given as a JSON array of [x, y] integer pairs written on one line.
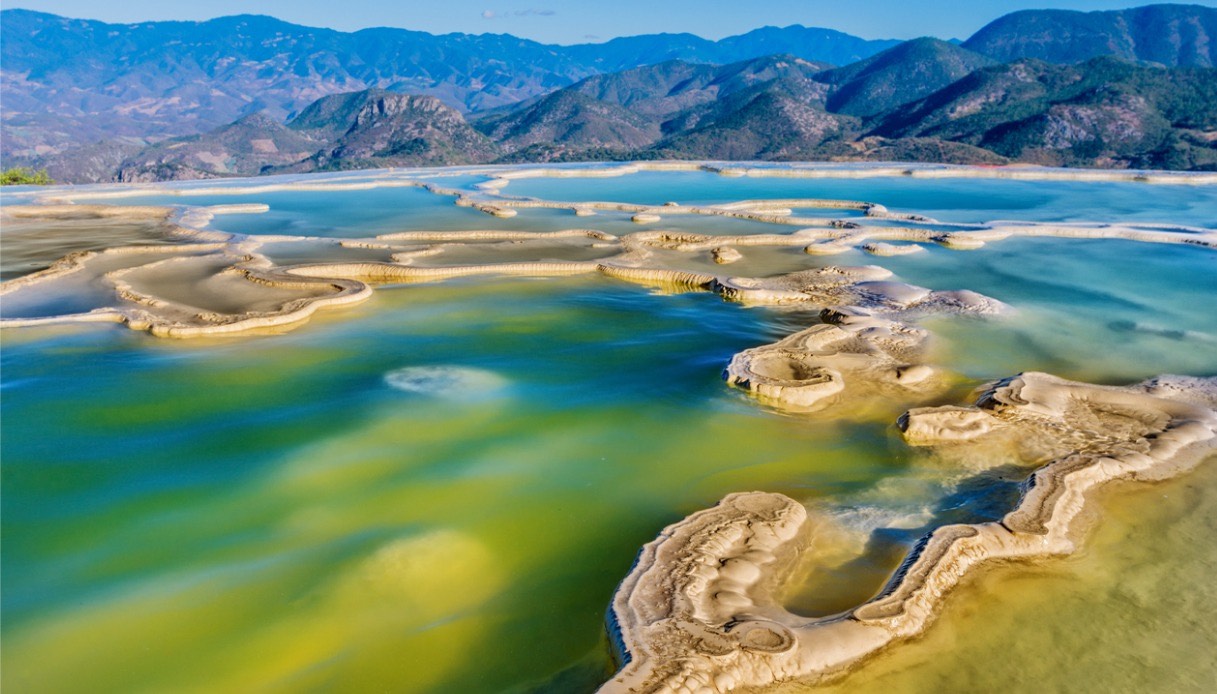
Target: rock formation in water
[[852, 354], [193, 283], [229, 284], [700, 610]]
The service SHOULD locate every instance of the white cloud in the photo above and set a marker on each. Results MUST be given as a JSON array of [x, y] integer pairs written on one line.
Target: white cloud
[[530, 12]]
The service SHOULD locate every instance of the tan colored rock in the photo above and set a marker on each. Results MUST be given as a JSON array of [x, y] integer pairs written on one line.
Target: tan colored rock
[[857, 358], [726, 254], [935, 425], [888, 249], [701, 610]]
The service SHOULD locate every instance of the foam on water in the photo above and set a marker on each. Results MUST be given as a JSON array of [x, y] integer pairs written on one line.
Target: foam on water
[[448, 382]]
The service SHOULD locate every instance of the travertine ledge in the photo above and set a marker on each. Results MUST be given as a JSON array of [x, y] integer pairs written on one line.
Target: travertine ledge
[[345, 272], [698, 612], [254, 294], [852, 354]]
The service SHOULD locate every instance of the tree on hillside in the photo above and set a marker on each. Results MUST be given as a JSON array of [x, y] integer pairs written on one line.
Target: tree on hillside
[[24, 177]]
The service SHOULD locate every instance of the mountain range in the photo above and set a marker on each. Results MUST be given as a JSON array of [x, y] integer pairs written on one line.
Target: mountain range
[[250, 95], [70, 81]]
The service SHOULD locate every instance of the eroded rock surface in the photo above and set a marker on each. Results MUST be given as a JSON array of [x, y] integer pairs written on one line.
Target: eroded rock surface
[[698, 612], [852, 354], [354, 264]]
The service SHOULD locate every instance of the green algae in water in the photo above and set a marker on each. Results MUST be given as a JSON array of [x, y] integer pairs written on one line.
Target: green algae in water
[[280, 513], [305, 475], [1131, 611]]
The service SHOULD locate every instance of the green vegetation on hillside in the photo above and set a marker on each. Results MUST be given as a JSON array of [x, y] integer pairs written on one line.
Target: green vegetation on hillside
[[20, 176], [1105, 112], [920, 100]]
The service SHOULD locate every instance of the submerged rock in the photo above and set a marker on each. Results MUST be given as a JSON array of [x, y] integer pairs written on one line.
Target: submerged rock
[[447, 382]]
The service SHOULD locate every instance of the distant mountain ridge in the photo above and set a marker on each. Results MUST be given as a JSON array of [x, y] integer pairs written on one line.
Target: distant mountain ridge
[[1106, 112], [390, 128], [248, 146], [1170, 35], [371, 128], [68, 82], [909, 71], [810, 43], [651, 101], [304, 105]]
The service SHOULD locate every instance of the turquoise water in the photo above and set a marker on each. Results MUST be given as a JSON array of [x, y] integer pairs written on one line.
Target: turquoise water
[[439, 489], [366, 213], [1122, 312], [947, 199]]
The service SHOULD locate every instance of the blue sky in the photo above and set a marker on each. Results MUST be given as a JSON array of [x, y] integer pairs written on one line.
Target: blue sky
[[581, 21]]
